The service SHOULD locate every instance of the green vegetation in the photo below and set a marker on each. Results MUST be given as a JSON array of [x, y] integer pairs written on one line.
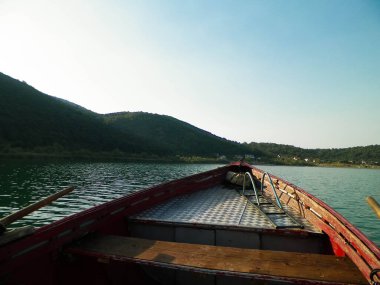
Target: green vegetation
[[33, 121], [368, 156], [173, 136], [33, 124]]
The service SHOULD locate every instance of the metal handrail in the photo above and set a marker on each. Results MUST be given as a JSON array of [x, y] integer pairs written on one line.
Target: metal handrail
[[252, 203], [258, 206], [274, 189], [253, 185]]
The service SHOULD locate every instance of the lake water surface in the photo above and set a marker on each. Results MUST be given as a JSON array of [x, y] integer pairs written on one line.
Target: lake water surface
[[25, 182]]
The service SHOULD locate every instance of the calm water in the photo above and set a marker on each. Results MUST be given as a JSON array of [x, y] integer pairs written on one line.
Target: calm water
[[22, 183]]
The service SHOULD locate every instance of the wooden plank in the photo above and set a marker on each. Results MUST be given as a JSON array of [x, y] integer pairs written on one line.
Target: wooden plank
[[4, 222], [263, 264], [374, 205]]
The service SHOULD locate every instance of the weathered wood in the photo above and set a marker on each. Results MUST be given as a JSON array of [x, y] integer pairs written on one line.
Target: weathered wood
[[374, 205], [4, 222], [15, 234], [261, 264]]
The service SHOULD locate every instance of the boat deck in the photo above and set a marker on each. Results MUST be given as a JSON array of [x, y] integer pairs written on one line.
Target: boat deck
[[224, 206]]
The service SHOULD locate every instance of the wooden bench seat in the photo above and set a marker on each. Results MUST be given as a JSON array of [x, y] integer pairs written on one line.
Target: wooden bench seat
[[252, 263]]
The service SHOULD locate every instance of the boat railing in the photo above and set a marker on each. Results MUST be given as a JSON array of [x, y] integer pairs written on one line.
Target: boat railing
[[264, 209], [273, 188], [253, 185], [257, 206]]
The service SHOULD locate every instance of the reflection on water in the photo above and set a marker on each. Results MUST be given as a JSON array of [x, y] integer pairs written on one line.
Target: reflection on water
[[25, 182]]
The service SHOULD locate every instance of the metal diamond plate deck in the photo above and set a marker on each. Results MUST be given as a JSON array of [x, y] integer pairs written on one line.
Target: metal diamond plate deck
[[215, 206]]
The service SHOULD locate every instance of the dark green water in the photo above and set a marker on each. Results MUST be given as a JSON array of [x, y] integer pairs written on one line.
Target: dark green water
[[25, 182]]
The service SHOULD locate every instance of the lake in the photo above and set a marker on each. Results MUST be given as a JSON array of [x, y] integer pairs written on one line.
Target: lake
[[25, 182]]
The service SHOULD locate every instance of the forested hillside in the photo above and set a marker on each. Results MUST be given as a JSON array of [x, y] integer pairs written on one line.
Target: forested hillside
[[169, 133], [32, 122]]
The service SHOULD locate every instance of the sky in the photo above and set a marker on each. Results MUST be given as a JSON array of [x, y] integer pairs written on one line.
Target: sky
[[303, 73]]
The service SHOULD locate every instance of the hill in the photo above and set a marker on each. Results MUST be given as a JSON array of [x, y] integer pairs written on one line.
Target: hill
[[34, 122], [172, 134]]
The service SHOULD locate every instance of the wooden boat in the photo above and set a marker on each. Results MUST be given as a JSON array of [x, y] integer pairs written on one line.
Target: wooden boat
[[209, 228]]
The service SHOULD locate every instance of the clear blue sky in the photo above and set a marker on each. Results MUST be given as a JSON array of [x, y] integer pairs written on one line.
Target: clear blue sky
[[305, 73]]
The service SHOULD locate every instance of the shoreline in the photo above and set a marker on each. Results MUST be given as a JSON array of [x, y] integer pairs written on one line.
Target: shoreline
[[88, 156]]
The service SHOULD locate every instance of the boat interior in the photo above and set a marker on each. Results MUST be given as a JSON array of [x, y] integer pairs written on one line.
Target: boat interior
[[226, 229], [222, 235]]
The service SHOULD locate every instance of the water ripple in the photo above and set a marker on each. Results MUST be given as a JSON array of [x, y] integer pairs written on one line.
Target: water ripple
[[23, 183]]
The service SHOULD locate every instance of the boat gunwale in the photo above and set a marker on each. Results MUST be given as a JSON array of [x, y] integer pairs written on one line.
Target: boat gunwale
[[364, 250], [375, 250]]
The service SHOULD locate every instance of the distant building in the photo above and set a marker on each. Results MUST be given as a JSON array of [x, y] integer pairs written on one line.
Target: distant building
[[306, 159]]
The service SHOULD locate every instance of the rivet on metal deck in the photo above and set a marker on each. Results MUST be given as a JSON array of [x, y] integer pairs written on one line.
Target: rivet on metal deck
[[215, 206]]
